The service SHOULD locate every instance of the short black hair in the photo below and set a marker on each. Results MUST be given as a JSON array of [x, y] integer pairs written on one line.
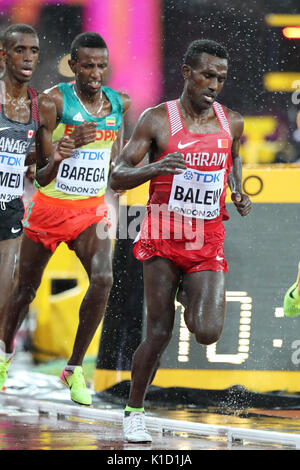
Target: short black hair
[[17, 28], [93, 40], [196, 48]]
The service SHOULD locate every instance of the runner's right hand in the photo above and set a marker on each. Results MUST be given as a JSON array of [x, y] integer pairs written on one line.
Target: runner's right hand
[[85, 133], [63, 148], [173, 163]]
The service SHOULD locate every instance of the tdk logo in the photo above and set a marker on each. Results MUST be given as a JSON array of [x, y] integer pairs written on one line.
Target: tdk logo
[[208, 177], [88, 154], [76, 154], [188, 175], [205, 177], [11, 160]]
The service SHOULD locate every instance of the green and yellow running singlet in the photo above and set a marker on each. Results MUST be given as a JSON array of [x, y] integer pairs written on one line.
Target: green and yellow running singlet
[[85, 174]]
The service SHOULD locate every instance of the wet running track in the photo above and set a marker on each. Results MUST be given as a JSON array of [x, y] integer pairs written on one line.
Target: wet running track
[[28, 423], [36, 413]]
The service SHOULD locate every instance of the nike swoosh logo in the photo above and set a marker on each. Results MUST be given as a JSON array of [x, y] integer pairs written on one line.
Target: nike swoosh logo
[[15, 230], [291, 293], [219, 258], [3, 128], [182, 146]]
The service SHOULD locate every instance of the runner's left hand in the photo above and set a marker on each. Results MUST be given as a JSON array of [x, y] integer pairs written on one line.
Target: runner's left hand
[[242, 203]]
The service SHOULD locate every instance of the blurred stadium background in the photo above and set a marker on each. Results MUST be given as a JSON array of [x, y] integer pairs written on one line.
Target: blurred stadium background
[[147, 39]]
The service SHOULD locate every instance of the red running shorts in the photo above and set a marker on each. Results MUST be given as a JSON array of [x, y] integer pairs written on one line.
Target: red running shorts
[[51, 221], [209, 256]]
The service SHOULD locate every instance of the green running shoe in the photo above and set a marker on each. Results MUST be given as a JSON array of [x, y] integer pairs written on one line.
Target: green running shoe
[[291, 303], [76, 383], [4, 365]]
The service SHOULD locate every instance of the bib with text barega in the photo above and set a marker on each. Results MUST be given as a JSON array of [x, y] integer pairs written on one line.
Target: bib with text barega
[[85, 173]]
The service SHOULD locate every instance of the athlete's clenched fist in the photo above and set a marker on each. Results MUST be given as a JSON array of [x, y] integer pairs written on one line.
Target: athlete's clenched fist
[[85, 133], [173, 163], [63, 148]]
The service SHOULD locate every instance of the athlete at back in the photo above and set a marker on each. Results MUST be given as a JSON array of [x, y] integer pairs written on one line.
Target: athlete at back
[[2, 57], [25, 118], [70, 208], [193, 143], [291, 301]]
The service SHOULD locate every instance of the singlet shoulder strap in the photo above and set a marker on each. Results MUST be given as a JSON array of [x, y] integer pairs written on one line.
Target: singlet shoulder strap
[[1, 99], [35, 105], [174, 117], [114, 98], [222, 116]]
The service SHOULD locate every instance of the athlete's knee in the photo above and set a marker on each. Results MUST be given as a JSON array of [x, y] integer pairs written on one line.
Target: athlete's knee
[[208, 335], [25, 293], [160, 336], [103, 280]]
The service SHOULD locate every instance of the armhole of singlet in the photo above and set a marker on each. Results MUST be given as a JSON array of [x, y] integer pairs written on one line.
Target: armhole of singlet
[[228, 122], [174, 117], [218, 107], [115, 101], [1, 100], [34, 105]]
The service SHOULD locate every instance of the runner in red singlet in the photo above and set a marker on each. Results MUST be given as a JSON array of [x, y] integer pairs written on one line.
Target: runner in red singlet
[[193, 147]]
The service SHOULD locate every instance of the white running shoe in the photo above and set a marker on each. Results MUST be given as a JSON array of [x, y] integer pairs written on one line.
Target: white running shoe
[[134, 427]]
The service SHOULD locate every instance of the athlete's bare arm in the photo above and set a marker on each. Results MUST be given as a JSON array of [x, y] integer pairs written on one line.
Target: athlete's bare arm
[[241, 201], [149, 136], [47, 159]]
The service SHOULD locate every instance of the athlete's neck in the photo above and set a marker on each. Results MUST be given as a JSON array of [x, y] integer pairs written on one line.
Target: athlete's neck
[[192, 111], [93, 107], [13, 88], [87, 97]]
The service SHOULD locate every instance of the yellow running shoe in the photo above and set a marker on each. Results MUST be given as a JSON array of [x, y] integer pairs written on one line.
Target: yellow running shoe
[[76, 383], [4, 365], [291, 303]]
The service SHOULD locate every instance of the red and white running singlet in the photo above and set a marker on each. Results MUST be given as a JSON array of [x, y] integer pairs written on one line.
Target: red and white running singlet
[[200, 191], [196, 195]]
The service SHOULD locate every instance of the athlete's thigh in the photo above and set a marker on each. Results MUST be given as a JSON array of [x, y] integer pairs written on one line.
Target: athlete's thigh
[[205, 294], [161, 279], [94, 249], [9, 253], [33, 260], [9, 257]]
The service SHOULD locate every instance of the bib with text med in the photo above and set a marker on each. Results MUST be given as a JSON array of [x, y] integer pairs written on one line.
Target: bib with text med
[[12, 168]]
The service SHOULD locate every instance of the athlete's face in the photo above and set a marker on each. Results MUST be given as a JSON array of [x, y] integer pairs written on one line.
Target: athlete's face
[[2, 60], [205, 79], [22, 52], [90, 68]]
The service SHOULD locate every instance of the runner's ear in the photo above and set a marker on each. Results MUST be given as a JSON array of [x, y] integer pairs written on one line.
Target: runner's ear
[[72, 65], [186, 71]]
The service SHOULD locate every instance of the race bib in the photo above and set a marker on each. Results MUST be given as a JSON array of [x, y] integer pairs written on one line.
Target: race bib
[[85, 173], [197, 194], [12, 168]]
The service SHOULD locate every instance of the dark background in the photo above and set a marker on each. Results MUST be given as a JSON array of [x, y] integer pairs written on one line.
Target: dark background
[[262, 251], [254, 47]]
